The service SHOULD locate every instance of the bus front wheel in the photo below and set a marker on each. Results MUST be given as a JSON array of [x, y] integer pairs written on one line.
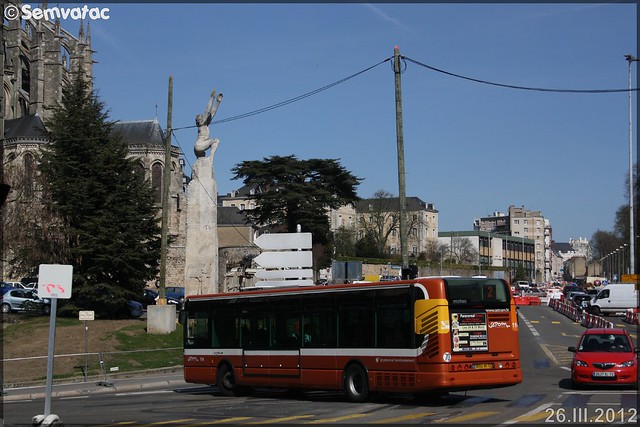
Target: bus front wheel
[[356, 384]]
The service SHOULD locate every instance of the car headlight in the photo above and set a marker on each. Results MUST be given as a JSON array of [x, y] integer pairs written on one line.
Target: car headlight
[[580, 363], [627, 364]]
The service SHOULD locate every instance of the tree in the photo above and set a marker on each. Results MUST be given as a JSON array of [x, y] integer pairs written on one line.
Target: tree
[[379, 221], [462, 251], [290, 191], [344, 242], [603, 243], [106, 208]]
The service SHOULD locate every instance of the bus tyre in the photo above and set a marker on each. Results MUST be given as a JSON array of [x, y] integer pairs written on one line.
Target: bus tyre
[[226, 380], [356, 384]]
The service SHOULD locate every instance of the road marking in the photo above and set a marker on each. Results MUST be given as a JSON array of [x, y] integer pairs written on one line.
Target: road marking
[[469, 416], [182, 421], [226, 420], [533, 415], [282, 419], [331, 420], [404, 418]]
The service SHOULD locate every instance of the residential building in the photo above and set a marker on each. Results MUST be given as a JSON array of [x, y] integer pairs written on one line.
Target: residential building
[[526, 224], [382, 214]]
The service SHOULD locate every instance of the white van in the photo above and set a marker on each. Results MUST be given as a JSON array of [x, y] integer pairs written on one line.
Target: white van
[[614, 298]]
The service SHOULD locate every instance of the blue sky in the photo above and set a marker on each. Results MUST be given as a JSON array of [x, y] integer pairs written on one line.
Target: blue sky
[[471, 149]]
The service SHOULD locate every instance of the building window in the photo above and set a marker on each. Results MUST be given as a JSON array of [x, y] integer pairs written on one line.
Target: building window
[[28, 176], [156, 181]]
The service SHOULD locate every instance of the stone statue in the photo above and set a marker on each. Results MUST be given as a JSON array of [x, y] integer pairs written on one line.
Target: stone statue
[[204, 141], [201, 247]]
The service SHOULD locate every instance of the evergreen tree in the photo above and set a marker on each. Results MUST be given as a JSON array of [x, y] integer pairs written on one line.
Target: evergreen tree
[[290, 191], [107, 209]]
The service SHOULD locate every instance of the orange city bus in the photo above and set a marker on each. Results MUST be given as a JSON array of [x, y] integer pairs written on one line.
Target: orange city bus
[[433, 334]]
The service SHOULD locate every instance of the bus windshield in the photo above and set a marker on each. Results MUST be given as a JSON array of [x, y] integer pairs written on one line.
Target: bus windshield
[[472, 291]]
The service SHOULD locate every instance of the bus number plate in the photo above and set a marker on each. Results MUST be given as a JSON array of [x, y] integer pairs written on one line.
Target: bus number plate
[[482, 366]]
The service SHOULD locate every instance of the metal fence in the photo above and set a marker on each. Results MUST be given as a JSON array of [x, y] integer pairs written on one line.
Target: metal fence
[[80, 366]]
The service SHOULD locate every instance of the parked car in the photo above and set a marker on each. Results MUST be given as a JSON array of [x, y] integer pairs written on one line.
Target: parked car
[[12, 284], [581, 301], [24, 300], [135, 309], [389, 278], [604, 357], [175, 292], [150, 297]]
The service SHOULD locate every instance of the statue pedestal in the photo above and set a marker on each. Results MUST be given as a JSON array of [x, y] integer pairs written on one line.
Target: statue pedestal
[[161, 319]]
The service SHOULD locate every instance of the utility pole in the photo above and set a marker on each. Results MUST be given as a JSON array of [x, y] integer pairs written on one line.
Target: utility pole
[[401, 175], [166, 184], [632, 233]]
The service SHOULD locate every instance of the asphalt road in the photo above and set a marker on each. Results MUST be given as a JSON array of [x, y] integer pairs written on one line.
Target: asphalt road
[[544, 397]]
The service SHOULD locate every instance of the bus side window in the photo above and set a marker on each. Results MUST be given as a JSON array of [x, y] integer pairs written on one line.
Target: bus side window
[[198, 331], [355, 314]]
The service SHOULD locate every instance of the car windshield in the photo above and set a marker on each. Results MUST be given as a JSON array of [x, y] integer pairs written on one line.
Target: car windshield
[[605, 342]]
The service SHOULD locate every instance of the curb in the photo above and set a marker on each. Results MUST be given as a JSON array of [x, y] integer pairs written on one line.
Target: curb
[[88, 388]]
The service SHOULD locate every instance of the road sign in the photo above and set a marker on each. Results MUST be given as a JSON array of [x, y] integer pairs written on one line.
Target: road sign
[[54, 281], [630, 278], [86, 315], [284, 241], [284, 274], [285, 259], [284, 283]]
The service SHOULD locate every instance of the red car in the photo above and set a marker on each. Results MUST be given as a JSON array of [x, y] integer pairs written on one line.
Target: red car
[[605, 357]]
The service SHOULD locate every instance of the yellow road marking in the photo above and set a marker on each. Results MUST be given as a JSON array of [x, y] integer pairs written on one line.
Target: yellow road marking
[[530, 418], [469, 417], [182, 421], [227, 420], [283, 419], [331, 420], [404, 418]]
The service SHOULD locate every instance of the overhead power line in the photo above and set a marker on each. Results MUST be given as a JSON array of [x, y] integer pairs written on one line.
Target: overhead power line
[[292, 100], [538, 89], [406, 58]]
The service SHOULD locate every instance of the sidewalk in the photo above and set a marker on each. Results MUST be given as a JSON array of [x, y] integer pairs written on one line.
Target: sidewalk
[[96, 385]]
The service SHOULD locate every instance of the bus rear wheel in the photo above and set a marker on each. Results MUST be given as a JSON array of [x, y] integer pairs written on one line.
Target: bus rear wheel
[[356, 384], [226, 380]]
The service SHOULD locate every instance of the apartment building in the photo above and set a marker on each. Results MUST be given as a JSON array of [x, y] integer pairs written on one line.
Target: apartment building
[[526, 224]]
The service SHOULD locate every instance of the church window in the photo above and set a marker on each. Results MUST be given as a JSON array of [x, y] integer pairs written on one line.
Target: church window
[[28, 176], [156, 181]]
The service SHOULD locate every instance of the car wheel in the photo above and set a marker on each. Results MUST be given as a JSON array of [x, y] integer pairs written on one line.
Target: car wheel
[[356, 384], [595, 310], [6, 308], [46, 309]]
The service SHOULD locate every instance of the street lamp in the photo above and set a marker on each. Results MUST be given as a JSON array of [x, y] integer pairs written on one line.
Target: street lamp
[[631, 59]]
